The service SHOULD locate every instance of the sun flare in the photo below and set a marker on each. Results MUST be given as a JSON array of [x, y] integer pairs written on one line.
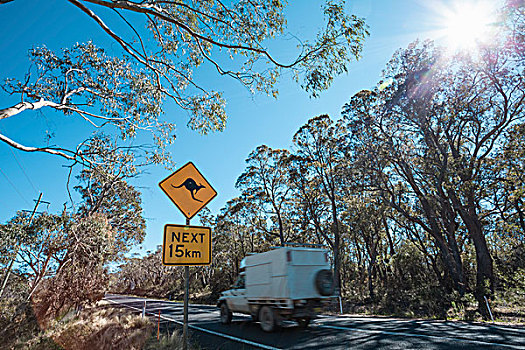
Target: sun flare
[[469, 24]]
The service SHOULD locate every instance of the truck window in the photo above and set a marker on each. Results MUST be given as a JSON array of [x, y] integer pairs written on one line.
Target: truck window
[[240, 284]]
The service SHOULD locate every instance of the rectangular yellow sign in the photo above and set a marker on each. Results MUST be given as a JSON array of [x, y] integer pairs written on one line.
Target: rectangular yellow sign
[[186, 245]]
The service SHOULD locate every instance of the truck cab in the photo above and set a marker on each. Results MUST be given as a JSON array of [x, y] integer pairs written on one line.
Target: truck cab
[[236, 296], [285, 283]]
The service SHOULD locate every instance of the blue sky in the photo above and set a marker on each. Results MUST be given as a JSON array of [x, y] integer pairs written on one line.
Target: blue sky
[[253, 119]]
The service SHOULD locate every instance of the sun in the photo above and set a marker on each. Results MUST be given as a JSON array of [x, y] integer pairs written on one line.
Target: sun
[[469, 24]]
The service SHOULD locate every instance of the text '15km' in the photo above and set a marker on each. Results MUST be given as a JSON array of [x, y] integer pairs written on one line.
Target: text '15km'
[[186, 245]]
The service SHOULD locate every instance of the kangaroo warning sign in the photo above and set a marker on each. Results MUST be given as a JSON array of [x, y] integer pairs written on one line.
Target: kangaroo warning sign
[[188, 190], [186, 245]]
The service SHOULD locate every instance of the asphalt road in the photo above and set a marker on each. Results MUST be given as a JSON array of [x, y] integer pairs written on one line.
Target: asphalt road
[[327, 332]]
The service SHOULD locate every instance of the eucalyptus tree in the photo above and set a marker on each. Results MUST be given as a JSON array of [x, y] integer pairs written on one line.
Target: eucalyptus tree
[[364, 214], [485, 98], [310, 208], [317, 146], [235, 232], [35, 246], [105, 190], [64, 258], [508, 185], [506, 198], [146, 276], [368, 238], [81, 274], [392, 149], [238, 231], [434, 123], [159, 44], [265, 183]]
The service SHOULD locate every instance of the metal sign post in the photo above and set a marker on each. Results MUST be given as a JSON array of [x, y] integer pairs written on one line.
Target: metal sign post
[[186, 296], [187, 245]]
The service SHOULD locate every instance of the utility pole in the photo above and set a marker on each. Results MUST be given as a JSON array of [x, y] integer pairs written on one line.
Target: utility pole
[[8, 272]]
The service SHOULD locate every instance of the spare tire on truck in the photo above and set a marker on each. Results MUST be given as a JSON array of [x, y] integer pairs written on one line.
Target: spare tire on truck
[[324, 282]]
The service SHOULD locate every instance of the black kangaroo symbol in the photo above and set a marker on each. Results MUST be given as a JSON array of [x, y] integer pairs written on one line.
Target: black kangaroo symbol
[[191, 186]]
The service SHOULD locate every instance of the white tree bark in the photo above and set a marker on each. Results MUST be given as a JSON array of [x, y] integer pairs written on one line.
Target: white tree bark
[[21, 147], [22, 106]]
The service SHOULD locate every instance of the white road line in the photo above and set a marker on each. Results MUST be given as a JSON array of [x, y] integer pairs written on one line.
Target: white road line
[[420, 336], [509, 328], [329, 326], [262, 346]]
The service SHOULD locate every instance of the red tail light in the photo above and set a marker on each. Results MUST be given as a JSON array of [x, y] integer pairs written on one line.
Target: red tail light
[[289, 256]]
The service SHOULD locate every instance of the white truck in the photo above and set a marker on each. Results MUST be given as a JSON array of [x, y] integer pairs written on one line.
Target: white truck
[[286, 283]]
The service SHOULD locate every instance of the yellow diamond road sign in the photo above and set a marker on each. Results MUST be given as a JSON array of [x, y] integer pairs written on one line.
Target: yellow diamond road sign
[[188, 189], [186, 245]]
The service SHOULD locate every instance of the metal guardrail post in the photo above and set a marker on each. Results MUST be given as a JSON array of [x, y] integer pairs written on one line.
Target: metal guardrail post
[[488, 308]]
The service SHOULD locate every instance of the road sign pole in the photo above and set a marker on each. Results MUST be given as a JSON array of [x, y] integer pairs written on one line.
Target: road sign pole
[[186, 294], [190, 192]]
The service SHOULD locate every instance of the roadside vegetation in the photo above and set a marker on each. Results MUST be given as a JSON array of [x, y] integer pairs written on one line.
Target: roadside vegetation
[[417, 189], [100, 326], [54, 263]]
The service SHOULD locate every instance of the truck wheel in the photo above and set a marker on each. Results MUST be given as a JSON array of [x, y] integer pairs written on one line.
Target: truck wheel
[[324, 281], [267, 319], [303, 322], [226, 314]]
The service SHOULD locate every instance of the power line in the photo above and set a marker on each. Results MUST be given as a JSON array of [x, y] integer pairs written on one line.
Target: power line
[[15, 188], [23, 170]]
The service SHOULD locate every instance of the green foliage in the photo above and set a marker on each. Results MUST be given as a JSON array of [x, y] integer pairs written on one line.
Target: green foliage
[[60, 261], [123, 91], [413, 288], [265, 183], [147, 276], [417, 190], [342, 39], [81, 276], [104, 189], [463, 308]]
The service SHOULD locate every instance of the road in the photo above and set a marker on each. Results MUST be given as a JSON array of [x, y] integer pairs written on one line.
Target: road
[[329, 332]]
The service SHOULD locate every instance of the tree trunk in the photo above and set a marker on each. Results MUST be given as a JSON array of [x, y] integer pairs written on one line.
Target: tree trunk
[[517, 205], [452, 261], [371, 268], [484, 262], [388, 236], [449, 216], [454, 267], [281, 234], [337, 241]]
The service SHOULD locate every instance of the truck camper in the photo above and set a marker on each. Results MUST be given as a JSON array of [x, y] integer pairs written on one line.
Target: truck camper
[[286, 283]]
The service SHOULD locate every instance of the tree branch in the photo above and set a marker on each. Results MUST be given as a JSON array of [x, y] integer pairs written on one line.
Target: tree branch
[[64, 153], [22, 106], [157, 12]]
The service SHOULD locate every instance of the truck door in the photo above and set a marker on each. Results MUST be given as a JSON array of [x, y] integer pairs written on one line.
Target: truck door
[[238, 301]]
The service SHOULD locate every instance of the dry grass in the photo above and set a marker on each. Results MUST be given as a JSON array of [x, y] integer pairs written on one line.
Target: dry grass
[[102, 327], [169, 342]]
